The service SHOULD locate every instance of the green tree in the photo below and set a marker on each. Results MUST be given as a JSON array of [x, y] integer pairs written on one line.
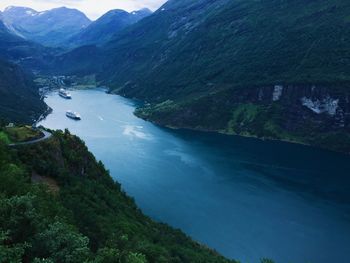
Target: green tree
[[61, 243], [136, 258], [108, 255], [10, 253]]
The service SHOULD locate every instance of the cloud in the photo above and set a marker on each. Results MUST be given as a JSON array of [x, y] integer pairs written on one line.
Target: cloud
[[92, 8]]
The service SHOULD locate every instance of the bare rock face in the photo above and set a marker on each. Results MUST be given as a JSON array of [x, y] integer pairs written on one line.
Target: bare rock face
[[312, 114], [327, 106]]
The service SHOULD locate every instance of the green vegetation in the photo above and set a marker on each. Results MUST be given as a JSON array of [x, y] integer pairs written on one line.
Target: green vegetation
[[18, 134], [88, 218], [243, 115], [197, 54], [4, 138], [22, 134], [19, 97], [234, 44]]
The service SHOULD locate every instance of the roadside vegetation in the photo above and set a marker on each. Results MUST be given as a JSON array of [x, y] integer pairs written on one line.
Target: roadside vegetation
[[22, 134]]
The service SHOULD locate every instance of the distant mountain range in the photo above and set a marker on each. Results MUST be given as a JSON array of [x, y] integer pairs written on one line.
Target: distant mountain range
[[50, 28], [65, 27], [269, 69], [26, 53], [104, 28], [24, 33]]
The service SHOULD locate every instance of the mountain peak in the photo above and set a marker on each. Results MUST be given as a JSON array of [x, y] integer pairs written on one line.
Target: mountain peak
[[66, 9], [115, 11], [20, 10], [12, 7], [48, 27], [104, 28], [143, 11]]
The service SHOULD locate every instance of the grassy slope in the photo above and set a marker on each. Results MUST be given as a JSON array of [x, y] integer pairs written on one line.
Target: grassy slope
[[90, 219], [22, 134]]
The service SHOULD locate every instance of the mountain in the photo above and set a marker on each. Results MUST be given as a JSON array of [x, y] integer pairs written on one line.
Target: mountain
[[6, 35], [102, 30], [58, 204], [19, 97], [269, 69], [20, 51], [49, 28]]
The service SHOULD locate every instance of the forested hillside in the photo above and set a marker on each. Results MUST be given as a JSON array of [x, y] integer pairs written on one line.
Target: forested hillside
[[19, 97], [271, 69], [58, 204]]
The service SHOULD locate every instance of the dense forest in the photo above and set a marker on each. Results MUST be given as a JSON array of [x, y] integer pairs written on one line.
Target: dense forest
[[58, 204]]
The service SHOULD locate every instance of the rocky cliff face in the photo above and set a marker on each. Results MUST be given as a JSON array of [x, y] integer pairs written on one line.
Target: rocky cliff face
[[311, 114], [326, 107]]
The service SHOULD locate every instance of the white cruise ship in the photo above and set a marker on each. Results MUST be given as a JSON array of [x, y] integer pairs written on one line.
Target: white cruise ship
[[73, 115], [64, 94]]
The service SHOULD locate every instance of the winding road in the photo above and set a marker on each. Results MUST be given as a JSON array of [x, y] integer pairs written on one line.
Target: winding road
[[47, 135]]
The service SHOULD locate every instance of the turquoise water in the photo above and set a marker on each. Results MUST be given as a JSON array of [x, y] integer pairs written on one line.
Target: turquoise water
[[244, 197]]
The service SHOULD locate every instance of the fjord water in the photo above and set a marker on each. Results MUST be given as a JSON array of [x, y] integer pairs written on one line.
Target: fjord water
[[246, 198]]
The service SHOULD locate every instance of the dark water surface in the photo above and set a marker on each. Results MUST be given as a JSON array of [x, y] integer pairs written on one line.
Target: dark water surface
[[244, 197]]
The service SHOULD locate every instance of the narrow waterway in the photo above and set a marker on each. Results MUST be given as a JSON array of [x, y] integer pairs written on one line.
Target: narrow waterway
[[246, 198]]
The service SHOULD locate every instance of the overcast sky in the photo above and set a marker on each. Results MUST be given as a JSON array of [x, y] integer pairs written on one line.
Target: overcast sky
[[92, 8]]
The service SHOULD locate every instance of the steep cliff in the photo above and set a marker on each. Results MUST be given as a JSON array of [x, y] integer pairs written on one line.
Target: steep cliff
[[310, 114]]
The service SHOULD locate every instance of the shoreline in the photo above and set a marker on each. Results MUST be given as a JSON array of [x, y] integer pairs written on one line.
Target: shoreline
[[171, 127]]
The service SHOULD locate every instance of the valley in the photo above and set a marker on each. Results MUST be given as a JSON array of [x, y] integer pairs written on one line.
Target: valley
[[246, 198], [209, 131], [207, 58]]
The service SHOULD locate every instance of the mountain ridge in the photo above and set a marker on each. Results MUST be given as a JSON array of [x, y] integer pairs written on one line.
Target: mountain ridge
[[103, 29], [191, 55], [49, 27]]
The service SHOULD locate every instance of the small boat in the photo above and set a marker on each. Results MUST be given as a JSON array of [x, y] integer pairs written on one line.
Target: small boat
[[64, 94], [73, 115]]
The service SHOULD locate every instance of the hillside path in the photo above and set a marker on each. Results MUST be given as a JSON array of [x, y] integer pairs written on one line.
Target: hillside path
[[47, 135]]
